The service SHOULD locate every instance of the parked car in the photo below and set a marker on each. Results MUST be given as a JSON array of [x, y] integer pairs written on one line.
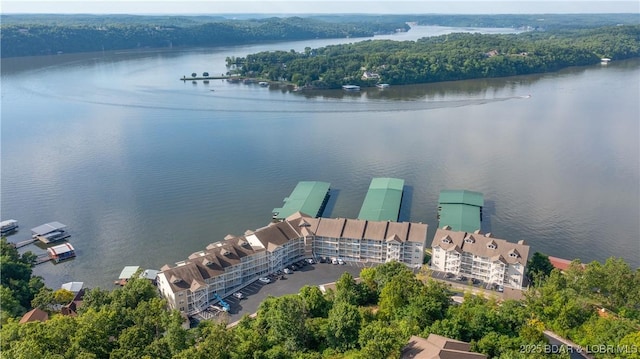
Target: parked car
[[310, 261], [500, 288], [288, 271], [475, 281], [293, 267], [340, 261], [461, 278], [448, 275], [334, 261], [264, 280], [322, 260], [238, 295]]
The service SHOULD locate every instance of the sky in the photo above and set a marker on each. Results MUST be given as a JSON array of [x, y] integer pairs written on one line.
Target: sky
[[205, 7]]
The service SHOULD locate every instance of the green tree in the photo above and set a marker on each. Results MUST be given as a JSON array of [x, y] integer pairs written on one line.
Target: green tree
[[315, 302], [380, 339], [343, 326], [539, 267]]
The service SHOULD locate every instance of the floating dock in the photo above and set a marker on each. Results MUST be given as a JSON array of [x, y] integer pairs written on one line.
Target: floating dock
[[382, 202], [460, 209], [309, 197], [61, 252], [50, 232]]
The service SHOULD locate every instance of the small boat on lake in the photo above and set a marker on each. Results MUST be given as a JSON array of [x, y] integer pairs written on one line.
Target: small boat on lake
[[263, 83], [351, 87], [382, 86]]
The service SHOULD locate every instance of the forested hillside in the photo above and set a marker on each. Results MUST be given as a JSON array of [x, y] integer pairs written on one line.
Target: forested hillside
[[444, 58], [57, 34], [370, 319]]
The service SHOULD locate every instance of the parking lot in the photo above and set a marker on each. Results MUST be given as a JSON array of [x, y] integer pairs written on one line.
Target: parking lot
[[475, 286], [256, 292]]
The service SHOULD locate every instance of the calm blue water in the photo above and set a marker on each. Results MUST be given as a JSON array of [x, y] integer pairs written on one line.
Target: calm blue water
[[145, 169]]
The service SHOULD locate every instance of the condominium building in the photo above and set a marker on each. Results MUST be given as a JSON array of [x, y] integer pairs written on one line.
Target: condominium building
[[479, 256], [227, 266]]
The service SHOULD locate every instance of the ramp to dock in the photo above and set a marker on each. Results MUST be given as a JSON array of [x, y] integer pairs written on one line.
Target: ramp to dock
[[382, 202], [308, 197]]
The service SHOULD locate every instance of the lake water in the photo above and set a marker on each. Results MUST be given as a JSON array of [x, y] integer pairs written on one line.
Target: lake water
[[145, 169]]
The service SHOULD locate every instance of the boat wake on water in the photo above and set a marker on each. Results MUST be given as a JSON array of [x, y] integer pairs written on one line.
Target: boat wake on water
[[231, 102]]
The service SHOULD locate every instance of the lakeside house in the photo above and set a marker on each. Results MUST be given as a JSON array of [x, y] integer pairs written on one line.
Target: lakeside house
[[228, 266], [480, 256]]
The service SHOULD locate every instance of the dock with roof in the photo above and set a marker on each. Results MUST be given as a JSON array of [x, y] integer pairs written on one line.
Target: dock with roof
[[309, 197], [382, 202], [460, 209], [50, 232]]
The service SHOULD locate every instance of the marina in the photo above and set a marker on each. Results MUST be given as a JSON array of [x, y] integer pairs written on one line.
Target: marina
[[382, 202], [308, 197], [460, 209]]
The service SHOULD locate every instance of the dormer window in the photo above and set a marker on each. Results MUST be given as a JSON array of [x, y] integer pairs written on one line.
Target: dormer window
[[446, 239], [175, 280], [225, 252], [469, 239], [492, 245], [514, 254]]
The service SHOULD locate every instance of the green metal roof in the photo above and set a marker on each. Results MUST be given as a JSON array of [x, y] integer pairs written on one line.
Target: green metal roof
[[309, 197], [382, 202], [461, 196], [460, 217]]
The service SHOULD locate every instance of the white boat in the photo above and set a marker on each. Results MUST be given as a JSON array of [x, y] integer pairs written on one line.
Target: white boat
[[382, 86], [351, 87], [263, 83], [8, 226]]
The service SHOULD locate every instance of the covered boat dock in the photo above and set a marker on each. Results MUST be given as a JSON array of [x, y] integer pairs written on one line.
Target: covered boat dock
[[382, 202], [50, 232], [308, 197], [460, 209], [61, 252]]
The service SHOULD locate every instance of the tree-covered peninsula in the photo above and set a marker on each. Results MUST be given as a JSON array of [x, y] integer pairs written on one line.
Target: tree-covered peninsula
[[450, 57]]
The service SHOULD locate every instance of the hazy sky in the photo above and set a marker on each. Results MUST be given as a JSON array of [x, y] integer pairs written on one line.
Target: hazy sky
[[309, 6]]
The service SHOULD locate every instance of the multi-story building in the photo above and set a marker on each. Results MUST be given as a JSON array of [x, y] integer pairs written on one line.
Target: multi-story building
[[227, 266], [479, 256]]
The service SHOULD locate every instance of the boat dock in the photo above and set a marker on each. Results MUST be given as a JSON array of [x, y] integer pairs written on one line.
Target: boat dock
[[24, 243], [50, 232], [308, 197], [460, 209], [42, 258], [382, 202]]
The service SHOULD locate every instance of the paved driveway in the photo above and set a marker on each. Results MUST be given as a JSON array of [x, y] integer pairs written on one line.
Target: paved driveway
[[316, 274]]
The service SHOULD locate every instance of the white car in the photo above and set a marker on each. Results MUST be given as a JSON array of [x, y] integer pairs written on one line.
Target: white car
[[287, 271], [264, 280], [310, 261], [238, 295], [334, 261], [340, 261]]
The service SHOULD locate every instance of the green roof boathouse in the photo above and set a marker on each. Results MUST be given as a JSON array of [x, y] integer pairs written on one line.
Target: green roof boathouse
[[309, 197], [382, 202], [460, 209]]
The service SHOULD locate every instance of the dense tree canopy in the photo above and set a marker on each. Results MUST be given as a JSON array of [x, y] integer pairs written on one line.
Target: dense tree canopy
[[370, 319], [41, 37], [443, 58]]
